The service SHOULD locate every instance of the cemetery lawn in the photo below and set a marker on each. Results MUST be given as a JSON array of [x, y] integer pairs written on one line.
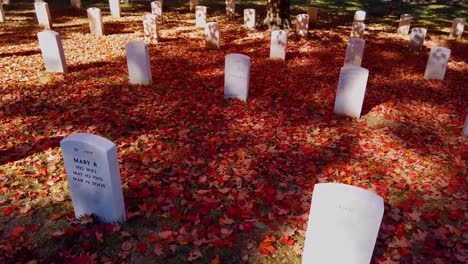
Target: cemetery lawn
[[208, 180]]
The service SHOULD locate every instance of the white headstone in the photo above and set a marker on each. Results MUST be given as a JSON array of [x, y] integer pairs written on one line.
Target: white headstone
[[150, 28], [114, 6], [6, 2], [302, 25], [354, 51], [465, 128], [343, 224], [278, 44], [2, 13], [43, 14], [96, 25], [358, 29], [417, 38], [157, 9], [404, 24], [93, 176], [236, 76], [200, 16], [457, 28], [312, 12], [359, 16], [212, 35], [437, 63], [50, 43], [75, 4], [138, 62], [193, 4], [249, 18], [351, 90], [230, 8]]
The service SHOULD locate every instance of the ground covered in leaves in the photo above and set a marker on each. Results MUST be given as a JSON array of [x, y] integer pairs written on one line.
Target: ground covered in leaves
[[208, 180]]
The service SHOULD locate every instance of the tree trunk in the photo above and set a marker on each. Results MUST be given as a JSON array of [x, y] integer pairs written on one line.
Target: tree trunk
[[278, 14]]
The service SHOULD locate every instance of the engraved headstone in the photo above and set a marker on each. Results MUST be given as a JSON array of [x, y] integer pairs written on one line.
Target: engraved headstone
[[404, 24], [465, 128], [351, 90], [343, 224], [2, 14], [230, 8], [75, 4], [278, 45], [157, 9], [437, 63], [150, 28], [114, 6], [249, 18], [43, 14], [212, 35], [93, 176], [96, 25], [312, 12], [50, 43], [200, 16], [354, 51], [138, 62], [236, 76], [302, 25], [358, 29], [193, 4], [417, 37], [359, 16], [457, 28]]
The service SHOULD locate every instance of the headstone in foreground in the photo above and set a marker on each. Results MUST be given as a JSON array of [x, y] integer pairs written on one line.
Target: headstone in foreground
[[2, 14], [150, 28], [96, 25], [351, 90], [343, 224], [457, 28], [354, 51], [249, 18], [75, 4], [417, 38], [312, 12], [193, 4], [302, 25], [230, 8], [200, 16], [114, 6], [157, 9], [278, 44], [236, 76], [404, 24], [212, 37], [437, 63], [50, 43], [43, 14], [357, 30], [138, 62], [93, 176], [359, 16]]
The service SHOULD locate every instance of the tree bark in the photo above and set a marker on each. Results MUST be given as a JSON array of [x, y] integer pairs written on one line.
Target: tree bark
[[278, 14]]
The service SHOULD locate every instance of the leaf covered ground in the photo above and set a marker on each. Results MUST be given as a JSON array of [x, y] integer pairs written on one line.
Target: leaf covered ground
[[208, 180]]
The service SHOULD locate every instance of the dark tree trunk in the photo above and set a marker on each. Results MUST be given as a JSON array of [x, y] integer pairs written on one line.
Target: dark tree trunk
[[278, 14]]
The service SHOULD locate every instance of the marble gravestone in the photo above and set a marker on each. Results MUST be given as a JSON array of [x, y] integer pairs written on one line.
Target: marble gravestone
[[351, 90], [75, 4], [278, 45], [417, 37], [50, 43], [343, 224], [200, 16], [150, 29], [312, 13], [354, 51], [43, 14], [404, 24], [96, 25], [236, 76], [359, 16], [302, 25], [114, 6], [457, 28], [157, 9], [138, 62], [93, 176], [465, 128], [193, 4], [437, 63], [230, 8], [249, 18], [212, 37], [358, 29], [2, 13]]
